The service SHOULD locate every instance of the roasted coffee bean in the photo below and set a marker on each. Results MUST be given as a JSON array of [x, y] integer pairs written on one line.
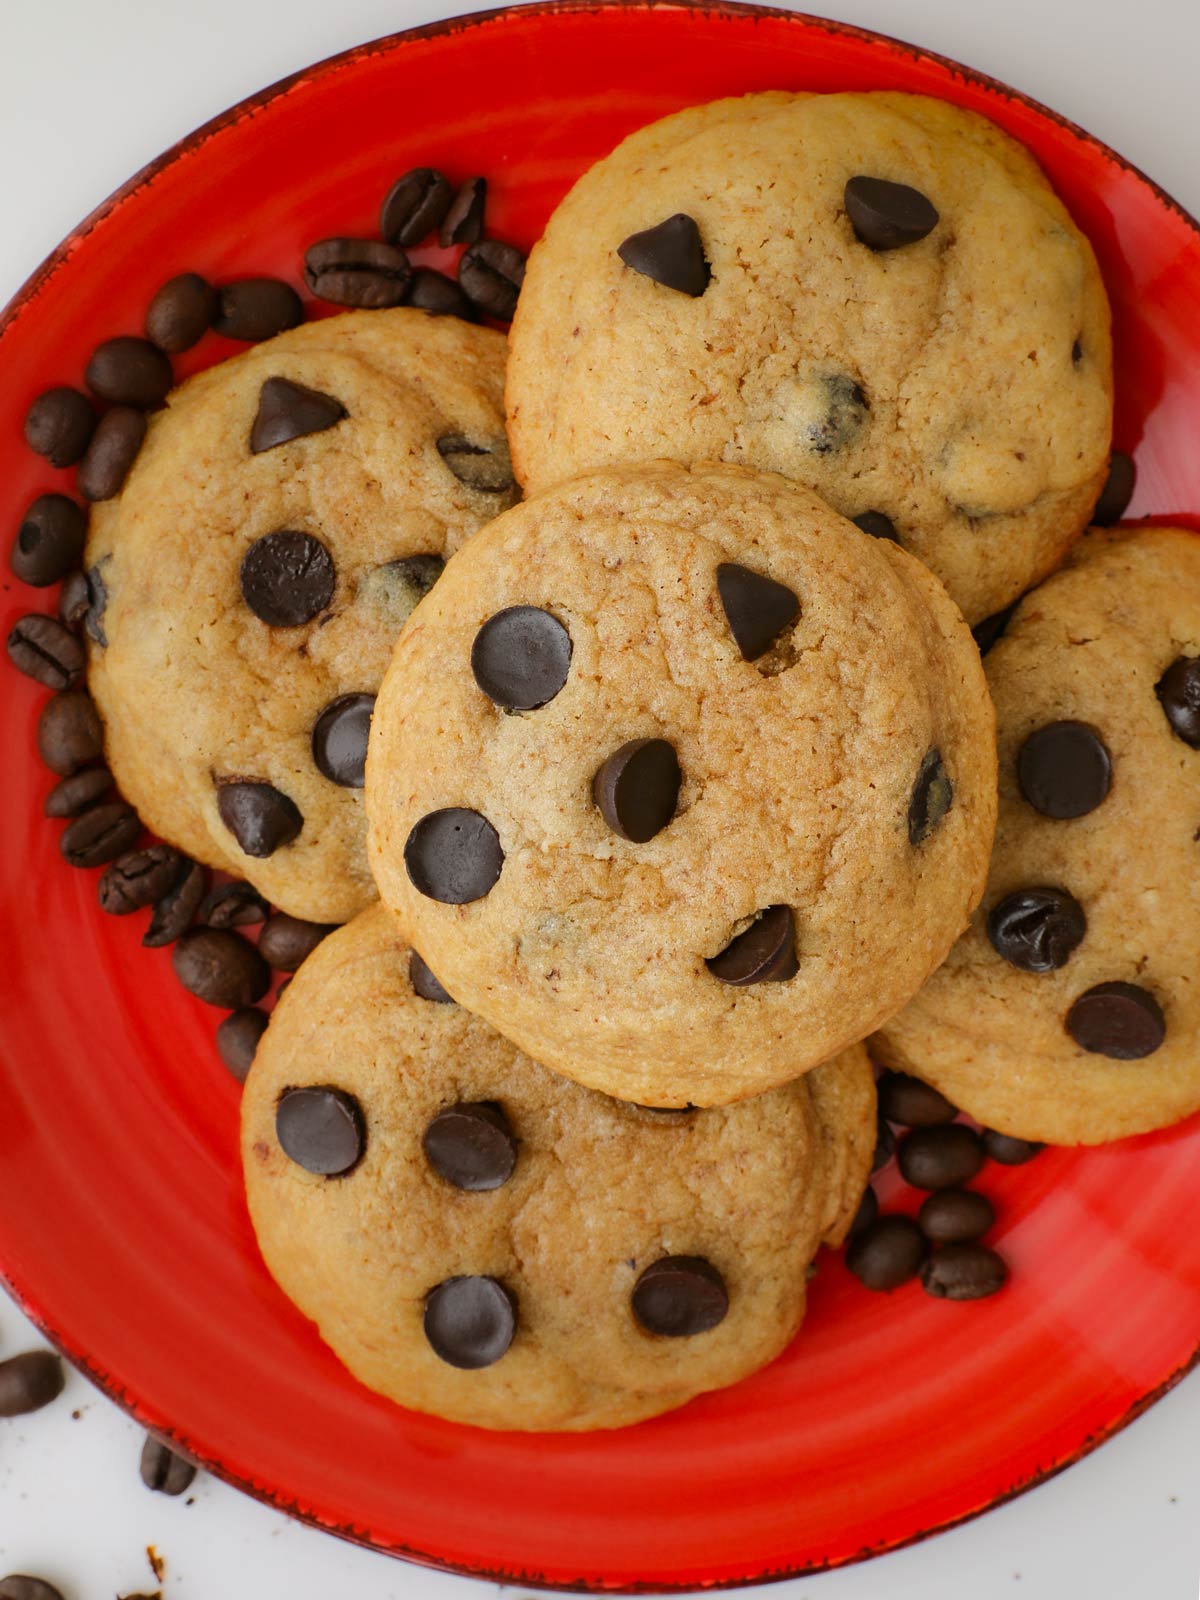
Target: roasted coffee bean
[[73, 601], [1178, 691], [113, 450], [1036, 930], [991, 629], [887, 1253], [1009, 1152], [491, 274], [220, 968], [471, 1146], [764, 953], [932, 797], [288, 411], [20, 1586], [521, 658], [868, 1210], [45, 650], [940, 1158], [233, 905], [453, 856], [59, 425], [885, 1146], [878, 525], [182, 312], [963, 1272], [1064, 769], [139, 878], [260, 817], [321, 1129], [838, 410], [29, 1381], [1118, 1020], [470, 1322], [637, 788], [670, 253], [253, 309], [415, 206], [164, 1471], [97, 604], [485, 467], [955, 1216], [887, 215], [287, 578], [680, 1296], [69, 734], [172, 915], [757, 609], [912, 1103], [287, 941], [424, 983], [364, 273], [339, 739], [76, 793], [439, 295], [49, 541], [463, 222], [237, 1039], [1117, 491], [99, 834], [130, 372]]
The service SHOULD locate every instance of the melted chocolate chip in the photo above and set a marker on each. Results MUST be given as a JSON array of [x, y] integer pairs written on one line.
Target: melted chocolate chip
[[637, 788], [679, 1296], [424, 982], [1036, 929], [932, 797], [453, 856], [486, 467], [1118, 1020], [991, 629], [878, 525], [259, 816], [670, 253], [757, 608], [288, 411], [841, 413], [470, 1322], [1178, 691], [1064, 769], [1117, 491], [521, 658], [471, 1146], [887, 215], [339, 739], [287, 578], [93, 621], [764, 953], [321, 1129]]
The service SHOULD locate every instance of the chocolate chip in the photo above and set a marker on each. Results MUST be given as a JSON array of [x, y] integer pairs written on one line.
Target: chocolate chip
[[138, 878], [470, 1322], [162, 1470], [220, 968], [97, 604], [364, 273], [757, 608], [521, 657], [49, 541], [287, 578], [679, 1296], [1117, 491], [940, 1158], [1118, 1020], [233, 905], [130, 372], [29, 1381], [1077, 352], [1036, 929], [764, 953], [1009, 1152], [453, 856], [260, 817], [287, 941], [45, 650], [99, 834], [20, 1586], [253, 309], [69, 734], [339, 739], [932, 797], [414, 206], [173, 913], [237, 1039], [887, 1253], [397, 587], [885, 1146], [963, 1272], [288, 411], [670, 253], [113, 450], [637, 788], [424, 983], [1178, 691], [491, 274], [59, 425], [955, 1216], [439, 295], [912, 1103], [843, 410], [321, 1129], [181, 312], [76, 793], [987, 632], [868, 1210], [886, 215], [878, 525], [1064, 769], [472, 1146], [73, 601], [463, 222], [483, 467]]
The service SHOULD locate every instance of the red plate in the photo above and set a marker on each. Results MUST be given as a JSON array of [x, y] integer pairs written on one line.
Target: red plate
[[123, 1230]]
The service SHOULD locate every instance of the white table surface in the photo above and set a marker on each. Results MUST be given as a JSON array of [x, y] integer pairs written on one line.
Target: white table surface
[[89, 91]]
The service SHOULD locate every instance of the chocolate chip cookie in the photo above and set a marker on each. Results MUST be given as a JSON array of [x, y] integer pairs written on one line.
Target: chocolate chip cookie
[[878, 295], [287, 511], [1069, 1012], [477, 1237], [681, 781]]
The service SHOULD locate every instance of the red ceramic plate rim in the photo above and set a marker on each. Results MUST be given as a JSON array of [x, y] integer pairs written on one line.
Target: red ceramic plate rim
[[22, 1293]]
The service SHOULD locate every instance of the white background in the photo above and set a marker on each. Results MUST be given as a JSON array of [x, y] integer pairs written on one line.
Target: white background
[[89, 91]]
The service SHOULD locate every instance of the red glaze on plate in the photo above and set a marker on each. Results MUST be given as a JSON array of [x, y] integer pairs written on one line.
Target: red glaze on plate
[[123, 1230]]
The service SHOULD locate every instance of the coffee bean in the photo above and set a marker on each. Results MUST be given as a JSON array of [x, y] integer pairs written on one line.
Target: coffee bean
[[130, 372], [364, 273], [46, 651], [19, 1586], [288, 411], [164, 1471], [955, 1216], [220, 968], [287, 578], [49, 541], [29, 1381], [886, 215], [97, 604], [1118, 1020], [253, 309], [339, 739], [991, 629], [521, 658], [679, 1296], [439, 295], [491, 274], [887, 1253], [424, 983], [321, 1129], [1009, 1152], [233, 905], [757, 608], [113, 450], [260, 817], [138, 879], [76, 793], [73, 601], [670, 253], [287, 941], [1064, 769], [69, 734], [878, 525], [99, 834], [414, 206], [237, 1039], [172, 915], [463, 222], [59, 425], [1117, 491], [764, 953], [885, 1146], [912, 1103], [470, 1322], [932, 797], [182, 312], [1178, 691], [453, 856], [940, 1158], [637, 788], [472, 1146], [1036, 930], [840, 415], [963, 1272], [868, 1210]]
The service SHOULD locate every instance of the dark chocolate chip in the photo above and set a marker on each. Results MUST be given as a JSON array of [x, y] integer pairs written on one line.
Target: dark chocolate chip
[[1036, 929], [113, 450], [73, 601], [138, 878], [99, 834], [637, 788], [1077, 352], [69, 734], [886, 215], [401, 585], [1117, 491], [521, 657], [940, 1158], [439, 295], [220, 968], [364, 273], [321, 1129], [288, 411], [757, 608], [162, 1470], [29, 1381], [670, 253], [911, 1103], [932, 797], [181, 312], [233, 905], [173, 913], [287, 941], [59, 425], [20, 1586], [77, 792], [1178, 691], [453, 856], [878, 525], [470, 1322], [463, 222], [97, 605], [679, 1296], [955, 1216], [887, 1253], [287, 578], [963, 1272], [764, 953], [491, 274], [339, 739], [253, 309], [130, 372], [237, 1039], [868, 1210], [49, 541], [885, 1146], [991, 629], [45, 650], [486, 467], [1118, 1020], [425, 983], [1009, 1152], [845, 410], [472, 1146], [1064, 769], [260, 817], [414, 206]]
